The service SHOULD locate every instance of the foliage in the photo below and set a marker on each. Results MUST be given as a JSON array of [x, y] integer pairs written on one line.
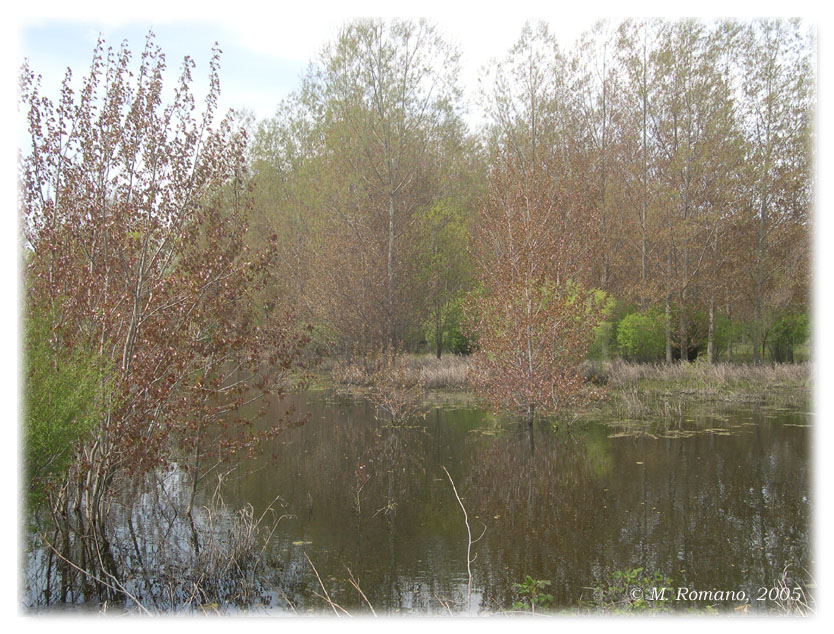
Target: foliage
[[533, 318], [640, 337], [648, 134], [630, 590], [450, 336], [646, 131], [170, 268], [789, 330], [444, 273], [600, 347], [777, 104], [383, 99], [532, 595], [605, 334], [65, 392], [134, 215]]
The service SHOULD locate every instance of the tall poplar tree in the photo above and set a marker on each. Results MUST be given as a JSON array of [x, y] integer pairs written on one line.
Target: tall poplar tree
[[777, 110], [383, 94]]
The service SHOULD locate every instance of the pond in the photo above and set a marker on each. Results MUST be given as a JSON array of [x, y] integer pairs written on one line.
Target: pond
[[714, 501]]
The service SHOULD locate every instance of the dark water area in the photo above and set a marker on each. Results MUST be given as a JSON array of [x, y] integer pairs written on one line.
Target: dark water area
[[715, 501]]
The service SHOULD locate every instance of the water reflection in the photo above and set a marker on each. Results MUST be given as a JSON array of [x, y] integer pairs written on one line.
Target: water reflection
[[725, 508]]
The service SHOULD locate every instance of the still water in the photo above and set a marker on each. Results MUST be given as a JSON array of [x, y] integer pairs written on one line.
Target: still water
[[716, 501]]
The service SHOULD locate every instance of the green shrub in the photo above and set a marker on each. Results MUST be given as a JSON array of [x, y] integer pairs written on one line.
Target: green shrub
[[604, 341], [788, 331], [724, 330], [641, 337], [62, 403], [454, 338]]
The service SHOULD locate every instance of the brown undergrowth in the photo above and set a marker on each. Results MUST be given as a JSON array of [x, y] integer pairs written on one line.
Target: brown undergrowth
[[633, 390]]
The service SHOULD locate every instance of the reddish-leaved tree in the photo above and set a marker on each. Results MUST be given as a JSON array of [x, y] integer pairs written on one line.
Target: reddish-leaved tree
[[134, 219], [533, 318]]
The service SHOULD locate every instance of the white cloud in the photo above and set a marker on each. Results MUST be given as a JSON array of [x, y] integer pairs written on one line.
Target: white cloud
[[290, 37]]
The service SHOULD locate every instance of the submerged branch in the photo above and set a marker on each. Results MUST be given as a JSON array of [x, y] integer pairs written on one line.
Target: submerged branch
[[121, 589], [355, 584], [326, 596], [469, 541]]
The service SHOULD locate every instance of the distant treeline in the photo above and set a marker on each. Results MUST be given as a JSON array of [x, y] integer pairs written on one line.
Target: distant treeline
[[686, 147]]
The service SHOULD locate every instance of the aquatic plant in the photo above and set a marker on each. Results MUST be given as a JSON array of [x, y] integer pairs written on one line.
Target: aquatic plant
[[630, 590], [531, 594]]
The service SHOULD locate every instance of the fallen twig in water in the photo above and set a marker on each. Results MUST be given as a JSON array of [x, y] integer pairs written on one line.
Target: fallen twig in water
[[355, 584], [443, 603], [326, 596], [469, 541], [287, 599]]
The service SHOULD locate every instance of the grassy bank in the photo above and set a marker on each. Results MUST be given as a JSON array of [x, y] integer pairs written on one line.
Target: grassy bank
[[636, 390], [448, 373], [631, 390]]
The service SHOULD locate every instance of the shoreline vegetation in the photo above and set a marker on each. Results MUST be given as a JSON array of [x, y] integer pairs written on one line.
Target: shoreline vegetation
[[628, 389], [181, 264]]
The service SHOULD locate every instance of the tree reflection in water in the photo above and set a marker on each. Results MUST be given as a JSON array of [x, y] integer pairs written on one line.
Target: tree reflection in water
[[725, 506]]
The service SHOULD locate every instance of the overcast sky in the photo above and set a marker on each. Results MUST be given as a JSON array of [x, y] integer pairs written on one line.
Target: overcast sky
[[262, 58], [267, 45]]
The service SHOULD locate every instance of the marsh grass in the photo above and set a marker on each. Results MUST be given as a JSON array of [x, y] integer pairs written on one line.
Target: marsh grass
[[793, 597], [782, 384], [664, 392], [450, 372], [705, 378], [656, 391]]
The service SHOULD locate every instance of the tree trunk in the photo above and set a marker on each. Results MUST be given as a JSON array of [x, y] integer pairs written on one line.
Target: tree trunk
[[758, 342], [606, 266], [643, 210], [531, 411], [390, 271], [711, 333], [729, 335], [643, 261], [438, 333], [668, 330], [683, 341], [757, 300], [757, 326], [685, 230]]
